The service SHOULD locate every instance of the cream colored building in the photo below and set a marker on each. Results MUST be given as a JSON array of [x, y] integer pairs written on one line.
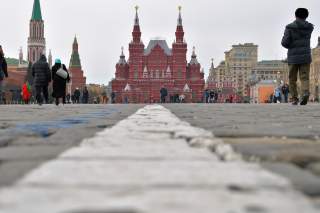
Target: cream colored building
[[239, 64], [271, 70], [315, 73]]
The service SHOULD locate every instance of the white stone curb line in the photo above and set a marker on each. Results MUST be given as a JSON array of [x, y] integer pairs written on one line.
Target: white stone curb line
[[144, 165]]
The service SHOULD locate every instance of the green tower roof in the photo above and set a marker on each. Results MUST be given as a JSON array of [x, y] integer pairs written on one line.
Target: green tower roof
[[75, 60], [75, 57], [36, 12]]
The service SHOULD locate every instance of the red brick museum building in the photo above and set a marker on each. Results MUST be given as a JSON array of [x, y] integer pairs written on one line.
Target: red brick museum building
[[140, 79]]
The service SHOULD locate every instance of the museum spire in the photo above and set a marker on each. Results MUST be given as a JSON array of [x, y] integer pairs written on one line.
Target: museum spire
[[179, 31], [136, 34]]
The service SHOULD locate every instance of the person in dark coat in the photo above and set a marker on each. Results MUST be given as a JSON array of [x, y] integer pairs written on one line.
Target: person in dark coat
[[59, 84], [285, 92], [296, 39], [3, 72], [206, 96], [163, 94], [85, 96], [42, 77], [76, 96], [113, 97]]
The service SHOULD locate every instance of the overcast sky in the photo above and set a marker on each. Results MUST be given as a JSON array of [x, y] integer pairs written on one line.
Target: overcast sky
[[103, 26]]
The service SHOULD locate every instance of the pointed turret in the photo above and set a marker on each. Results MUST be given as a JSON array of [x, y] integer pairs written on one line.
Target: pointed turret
[[136, 20], [122, 60], [20, 56], [75, 58], [194, 60], [127, 88], [136, 34], [75, 45], [212, 64], [179, 17], [212, 73], [179, 31], [186, 88], [168, 72], [36, 12], [145, 72]]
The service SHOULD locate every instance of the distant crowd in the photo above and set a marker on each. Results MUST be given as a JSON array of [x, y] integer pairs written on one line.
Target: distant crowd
[[43, 75]]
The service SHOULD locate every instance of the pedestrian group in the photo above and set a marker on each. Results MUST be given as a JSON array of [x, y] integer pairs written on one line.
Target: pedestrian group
[[296, 39]]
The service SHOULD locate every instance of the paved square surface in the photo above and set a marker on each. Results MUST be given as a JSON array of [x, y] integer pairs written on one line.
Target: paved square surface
[[155, 161]]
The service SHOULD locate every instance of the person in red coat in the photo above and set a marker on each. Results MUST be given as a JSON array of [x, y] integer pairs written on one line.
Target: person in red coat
[[26, 92]]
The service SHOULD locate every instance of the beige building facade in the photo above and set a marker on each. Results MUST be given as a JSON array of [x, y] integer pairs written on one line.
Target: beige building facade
[[315, 73], [240, 61], [271, 70]]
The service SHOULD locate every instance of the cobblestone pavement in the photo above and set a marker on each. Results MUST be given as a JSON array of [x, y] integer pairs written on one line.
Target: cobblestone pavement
[[145, 163], [283, 138], [31, 135]]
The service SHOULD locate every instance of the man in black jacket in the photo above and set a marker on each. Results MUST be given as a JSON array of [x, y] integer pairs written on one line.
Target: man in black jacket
[[297, 40], [42, 77], [163, 94], [3, 72]]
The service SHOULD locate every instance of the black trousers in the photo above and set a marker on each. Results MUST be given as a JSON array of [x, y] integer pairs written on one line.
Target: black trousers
[[42, 90], [163, 99]]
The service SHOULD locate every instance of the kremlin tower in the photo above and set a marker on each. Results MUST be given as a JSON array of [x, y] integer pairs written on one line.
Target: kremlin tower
[[36, 40], [147, 70], [78, 80]]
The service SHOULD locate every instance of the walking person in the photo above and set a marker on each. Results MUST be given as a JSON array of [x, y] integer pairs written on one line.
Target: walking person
[[42, 77], [277, 95], [163, 94], [85, 96], [76, 96], [3, 73], [211, 96], [26, 92], [206, 96], [113, 97], [296, 39], [285, 92], [60, 77]]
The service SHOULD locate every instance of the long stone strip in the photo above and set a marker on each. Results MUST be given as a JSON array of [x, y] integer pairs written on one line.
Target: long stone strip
[[144, 164]]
